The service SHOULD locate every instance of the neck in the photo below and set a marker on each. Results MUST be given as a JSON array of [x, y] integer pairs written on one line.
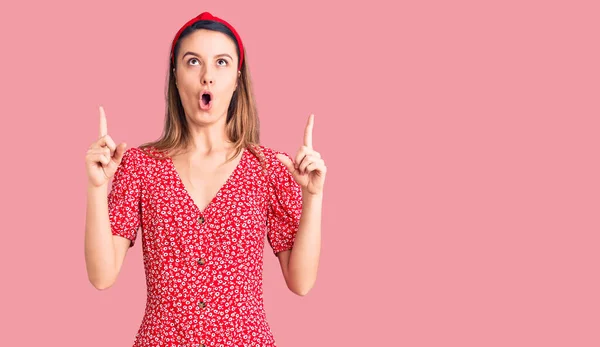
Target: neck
[[210, 138]]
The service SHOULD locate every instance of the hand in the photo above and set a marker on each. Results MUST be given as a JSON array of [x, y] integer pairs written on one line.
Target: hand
[[103, 157], [308, 169]]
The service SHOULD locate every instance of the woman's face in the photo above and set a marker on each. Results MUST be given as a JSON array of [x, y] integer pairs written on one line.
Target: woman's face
[[206, 74]]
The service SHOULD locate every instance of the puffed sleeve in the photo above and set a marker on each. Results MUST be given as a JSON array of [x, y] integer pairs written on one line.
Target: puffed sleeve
[[285, 206], [124, 198]]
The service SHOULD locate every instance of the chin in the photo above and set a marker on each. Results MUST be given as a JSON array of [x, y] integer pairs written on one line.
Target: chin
[[211, 114]]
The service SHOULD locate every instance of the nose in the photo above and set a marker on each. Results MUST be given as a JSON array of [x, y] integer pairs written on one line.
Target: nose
[[207, 77]]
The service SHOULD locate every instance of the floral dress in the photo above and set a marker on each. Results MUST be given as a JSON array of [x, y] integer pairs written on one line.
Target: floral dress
[[204, 268]]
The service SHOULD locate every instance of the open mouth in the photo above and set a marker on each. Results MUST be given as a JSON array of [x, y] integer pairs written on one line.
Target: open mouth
[[205, 100]]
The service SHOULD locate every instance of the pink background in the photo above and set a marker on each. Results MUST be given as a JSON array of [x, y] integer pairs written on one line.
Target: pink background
[[462, 198]]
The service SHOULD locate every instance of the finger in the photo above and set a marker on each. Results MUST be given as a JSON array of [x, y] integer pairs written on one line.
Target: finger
[[100, 143], [104, 151], [103, 126], [305, 163], [105, 142], [308, 131], [302, 153], [119, 151], [100, 150], [108, 141], [286, 161], [317, 165], [100, 158]]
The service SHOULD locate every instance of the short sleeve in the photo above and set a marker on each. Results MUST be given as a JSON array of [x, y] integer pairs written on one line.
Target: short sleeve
[[124, 199], [285, 206]]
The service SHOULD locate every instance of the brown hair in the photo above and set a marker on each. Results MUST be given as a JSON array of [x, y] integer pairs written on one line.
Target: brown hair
[[242, 122]]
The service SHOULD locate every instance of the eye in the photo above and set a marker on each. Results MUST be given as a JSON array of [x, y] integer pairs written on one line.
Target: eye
[[193, 59], [224, 62]]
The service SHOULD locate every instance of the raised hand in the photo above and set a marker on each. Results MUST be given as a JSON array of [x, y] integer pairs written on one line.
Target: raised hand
[[103, 157], [308, 168]]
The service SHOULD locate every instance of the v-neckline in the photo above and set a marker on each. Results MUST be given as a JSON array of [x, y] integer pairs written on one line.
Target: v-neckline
[[217, 195]]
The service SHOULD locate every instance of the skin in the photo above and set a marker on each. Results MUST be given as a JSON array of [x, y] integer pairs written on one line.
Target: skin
[[207, 60], [300, 264], [212, 65], [104, 252]]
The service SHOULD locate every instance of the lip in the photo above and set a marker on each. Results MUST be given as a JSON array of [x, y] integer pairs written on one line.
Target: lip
[[206, 91], [204, 106]]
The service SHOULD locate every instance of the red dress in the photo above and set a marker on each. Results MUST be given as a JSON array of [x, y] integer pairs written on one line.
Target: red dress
[[204, 268]]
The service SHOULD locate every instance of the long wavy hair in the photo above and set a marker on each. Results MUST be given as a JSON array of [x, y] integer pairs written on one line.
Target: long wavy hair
[[242, 123]]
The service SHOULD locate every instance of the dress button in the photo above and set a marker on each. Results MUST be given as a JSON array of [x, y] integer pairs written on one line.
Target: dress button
[[201, 220], [202, 304], [201, 261]]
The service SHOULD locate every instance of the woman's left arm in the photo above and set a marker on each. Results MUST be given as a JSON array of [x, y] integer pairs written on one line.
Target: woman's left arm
[[300, 264]]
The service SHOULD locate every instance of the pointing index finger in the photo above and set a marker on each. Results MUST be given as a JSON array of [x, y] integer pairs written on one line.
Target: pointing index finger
[[103, 126], [308, 131]]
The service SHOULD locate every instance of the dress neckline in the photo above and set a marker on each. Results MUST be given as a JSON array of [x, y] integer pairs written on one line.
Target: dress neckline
[[217, 196]]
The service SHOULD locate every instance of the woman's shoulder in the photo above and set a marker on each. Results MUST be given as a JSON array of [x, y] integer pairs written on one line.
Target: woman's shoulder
[[273, 166], [145, 153], [141, 158], [270, 153]]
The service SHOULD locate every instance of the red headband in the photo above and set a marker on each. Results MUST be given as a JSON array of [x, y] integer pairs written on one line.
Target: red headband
[[208, 16]]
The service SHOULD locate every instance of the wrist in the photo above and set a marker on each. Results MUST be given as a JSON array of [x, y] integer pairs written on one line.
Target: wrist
[[306, 195], [94, 188]]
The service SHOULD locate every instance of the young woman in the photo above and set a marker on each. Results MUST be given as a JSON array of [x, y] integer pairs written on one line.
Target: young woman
[[205, 196]]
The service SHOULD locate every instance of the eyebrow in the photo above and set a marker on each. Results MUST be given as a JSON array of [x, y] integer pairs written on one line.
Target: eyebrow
[[197, 55]]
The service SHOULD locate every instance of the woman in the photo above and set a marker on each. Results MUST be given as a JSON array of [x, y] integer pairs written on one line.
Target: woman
[[205, 196]]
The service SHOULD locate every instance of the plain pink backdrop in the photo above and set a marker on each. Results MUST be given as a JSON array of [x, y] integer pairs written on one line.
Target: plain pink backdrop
[[462, 198]]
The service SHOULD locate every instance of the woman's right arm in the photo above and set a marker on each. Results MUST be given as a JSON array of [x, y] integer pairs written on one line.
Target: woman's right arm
[[104, 252]]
